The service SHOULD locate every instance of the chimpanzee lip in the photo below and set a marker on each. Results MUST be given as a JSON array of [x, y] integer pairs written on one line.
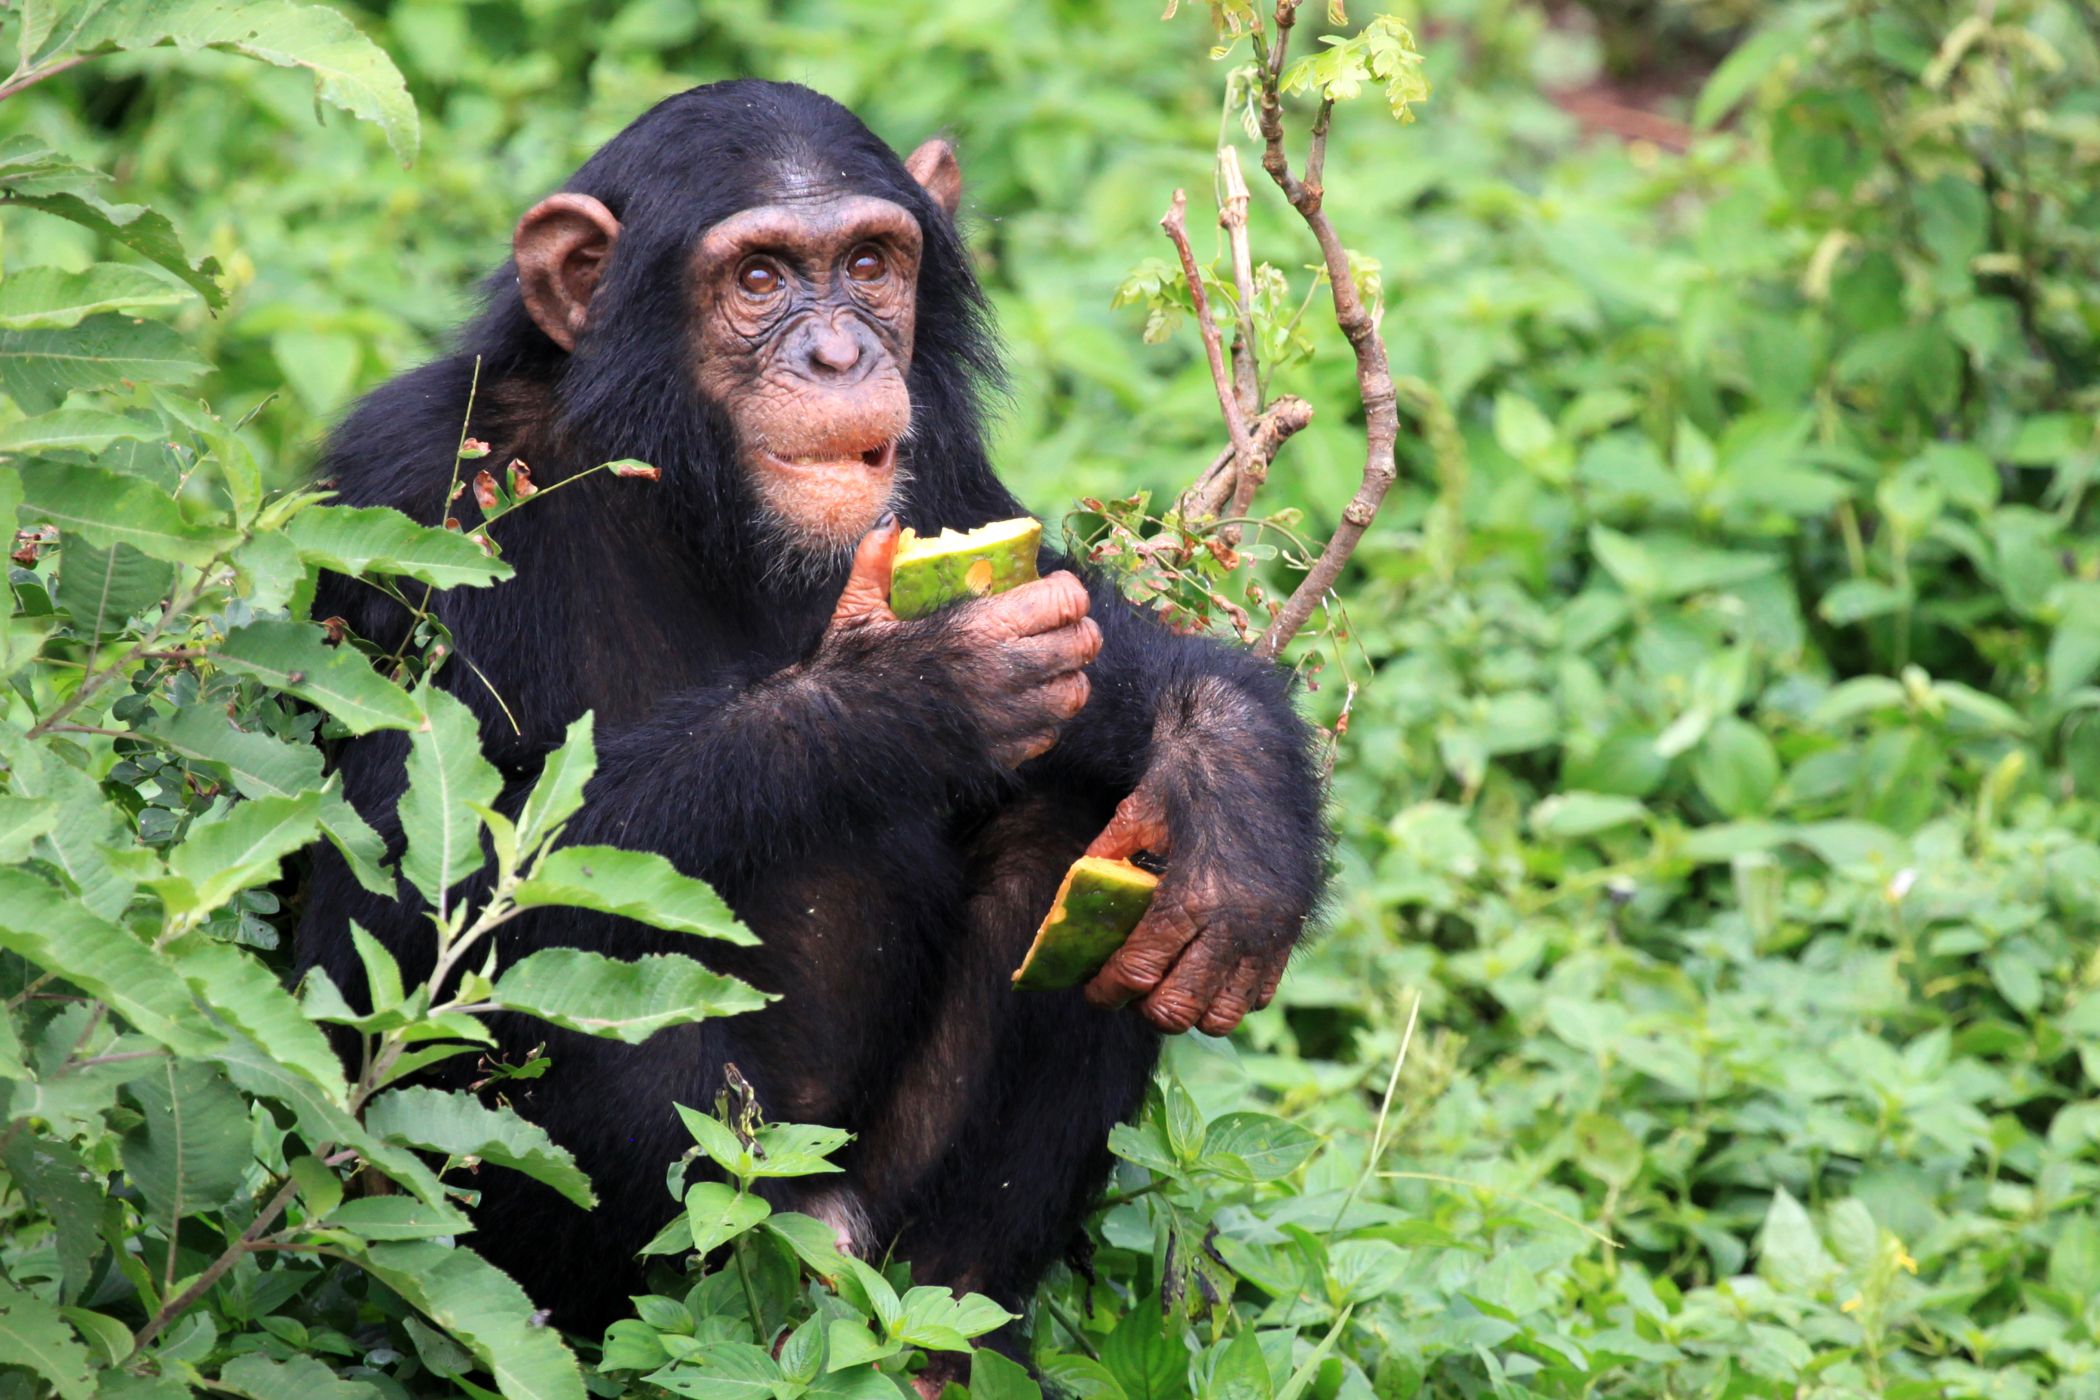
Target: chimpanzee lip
[[880, 458]]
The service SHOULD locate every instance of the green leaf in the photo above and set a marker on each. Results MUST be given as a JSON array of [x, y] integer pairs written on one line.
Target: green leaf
[[296, 1378], [259, 764], [322, 1119], [52, 930], [295, 657], [1256, 1147], [34, 1336], [1736, 768], [101, 588], [245, 994], [354, 839], [1241, 1372], [639, 885], [460, 1125], [40, 367], [722, 1371], [374, 539], [2074, 1255], [447, 779], [993, 1377], [50, 298], [558, 794], [627, 1001], [189, 1152], [399, 1218], [814, 1242], [236, 849], [1146, 1361], [1861, 599], [1568, 816], [1790, 1252], [34, 176], [73, 429], [107, 509], [69, 1194], [717, 1213], [486, 1312]]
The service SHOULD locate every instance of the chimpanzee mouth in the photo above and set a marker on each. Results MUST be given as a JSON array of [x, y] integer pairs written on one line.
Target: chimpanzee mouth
[[880, 458]]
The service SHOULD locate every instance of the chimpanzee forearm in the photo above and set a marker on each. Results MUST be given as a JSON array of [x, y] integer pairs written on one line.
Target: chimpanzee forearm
[[753, 770], [1214, 731]]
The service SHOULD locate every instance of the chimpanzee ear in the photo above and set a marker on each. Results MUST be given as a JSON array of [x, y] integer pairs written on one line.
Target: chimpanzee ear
[[562, 246], [933, 166]]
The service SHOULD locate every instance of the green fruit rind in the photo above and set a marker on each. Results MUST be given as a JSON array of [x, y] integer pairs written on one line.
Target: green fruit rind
[[1097, 906], [930, 573]]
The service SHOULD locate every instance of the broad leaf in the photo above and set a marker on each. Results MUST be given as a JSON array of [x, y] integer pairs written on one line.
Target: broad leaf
[[50, 298], [374, 539], [627, 1001], [35, 1337], [723, 1371], [243, 993], [259, 764], [295, 657], [33, 175], [488, 1313], [1256, 1146], [107, 509], [101, 588], [74, 429], [559, 792], [639, 885], [38, 368], [354, 839], [236, 849], [349, 70], [189, 1151], [460, 1125], [447, 778], [51, 930], [717, 1213]]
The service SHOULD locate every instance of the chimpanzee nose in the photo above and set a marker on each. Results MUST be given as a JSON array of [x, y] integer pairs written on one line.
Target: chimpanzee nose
[[832, 352]]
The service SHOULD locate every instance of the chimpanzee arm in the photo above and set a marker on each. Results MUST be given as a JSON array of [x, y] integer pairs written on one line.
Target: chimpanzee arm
[[1215, 769]]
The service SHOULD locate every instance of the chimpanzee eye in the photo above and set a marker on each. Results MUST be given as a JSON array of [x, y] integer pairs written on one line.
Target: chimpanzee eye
[[866, 265], [759, 277]]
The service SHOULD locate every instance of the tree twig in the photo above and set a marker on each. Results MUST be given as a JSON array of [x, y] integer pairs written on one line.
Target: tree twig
[[1374, 379], [177, 1305], [1208, 494], [1176, 225]]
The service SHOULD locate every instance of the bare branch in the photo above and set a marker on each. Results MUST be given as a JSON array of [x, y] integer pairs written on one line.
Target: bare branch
[[1211, 490], [1374, 379], [1232, 217], [1246, 465]]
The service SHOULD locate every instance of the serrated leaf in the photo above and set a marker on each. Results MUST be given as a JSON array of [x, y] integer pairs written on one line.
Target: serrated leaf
[[322, 1120], [295, 657], [38, 368], [101, 588], [460, 1125], [50, 298], [1257, 1146], [259, 764], [373, 539], [399, 1218], [108, 509], [639, 885], [33, 1335], [558, 793], [189, 1151], [296, 1378], [717, 1213], [359, 845], [486, 1312], [447, 778], [52, 930], [242, 992], [73, 429], [68, 1193], [237, 849], [625, 1001], [34, 176], [722, 1371], [349, 70]]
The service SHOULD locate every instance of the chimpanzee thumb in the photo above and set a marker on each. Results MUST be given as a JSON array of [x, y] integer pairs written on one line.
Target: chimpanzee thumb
[[866, 597]]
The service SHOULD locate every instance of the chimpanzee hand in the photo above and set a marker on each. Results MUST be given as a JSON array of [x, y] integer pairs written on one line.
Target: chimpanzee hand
[[1214, 943], [1013, 662]]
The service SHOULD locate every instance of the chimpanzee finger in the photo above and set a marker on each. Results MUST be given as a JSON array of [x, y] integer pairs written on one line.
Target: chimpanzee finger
[[1145, 956], [1191, 987], [1272, 978], [1235, 999], [866, 596], [1043, 605], [1055, 652], [1140, 824]]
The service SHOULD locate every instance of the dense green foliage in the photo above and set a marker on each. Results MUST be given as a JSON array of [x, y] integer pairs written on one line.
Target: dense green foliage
[[1709, 1003]]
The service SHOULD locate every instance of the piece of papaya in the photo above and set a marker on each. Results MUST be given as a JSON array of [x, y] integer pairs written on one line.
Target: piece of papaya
[[932, 571], [1097, 906]]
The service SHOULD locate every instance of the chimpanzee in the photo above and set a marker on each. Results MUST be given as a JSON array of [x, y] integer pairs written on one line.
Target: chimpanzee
[[748, 290]]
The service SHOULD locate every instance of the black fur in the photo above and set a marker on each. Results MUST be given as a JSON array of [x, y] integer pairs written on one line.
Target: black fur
[[893, 870]]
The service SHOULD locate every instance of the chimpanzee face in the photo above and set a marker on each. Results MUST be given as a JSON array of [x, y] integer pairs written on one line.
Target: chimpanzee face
[[801, 323], [803, 334]]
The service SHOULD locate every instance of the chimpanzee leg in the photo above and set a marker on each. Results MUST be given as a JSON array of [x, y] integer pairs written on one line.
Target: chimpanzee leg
[[1014, 1107]]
